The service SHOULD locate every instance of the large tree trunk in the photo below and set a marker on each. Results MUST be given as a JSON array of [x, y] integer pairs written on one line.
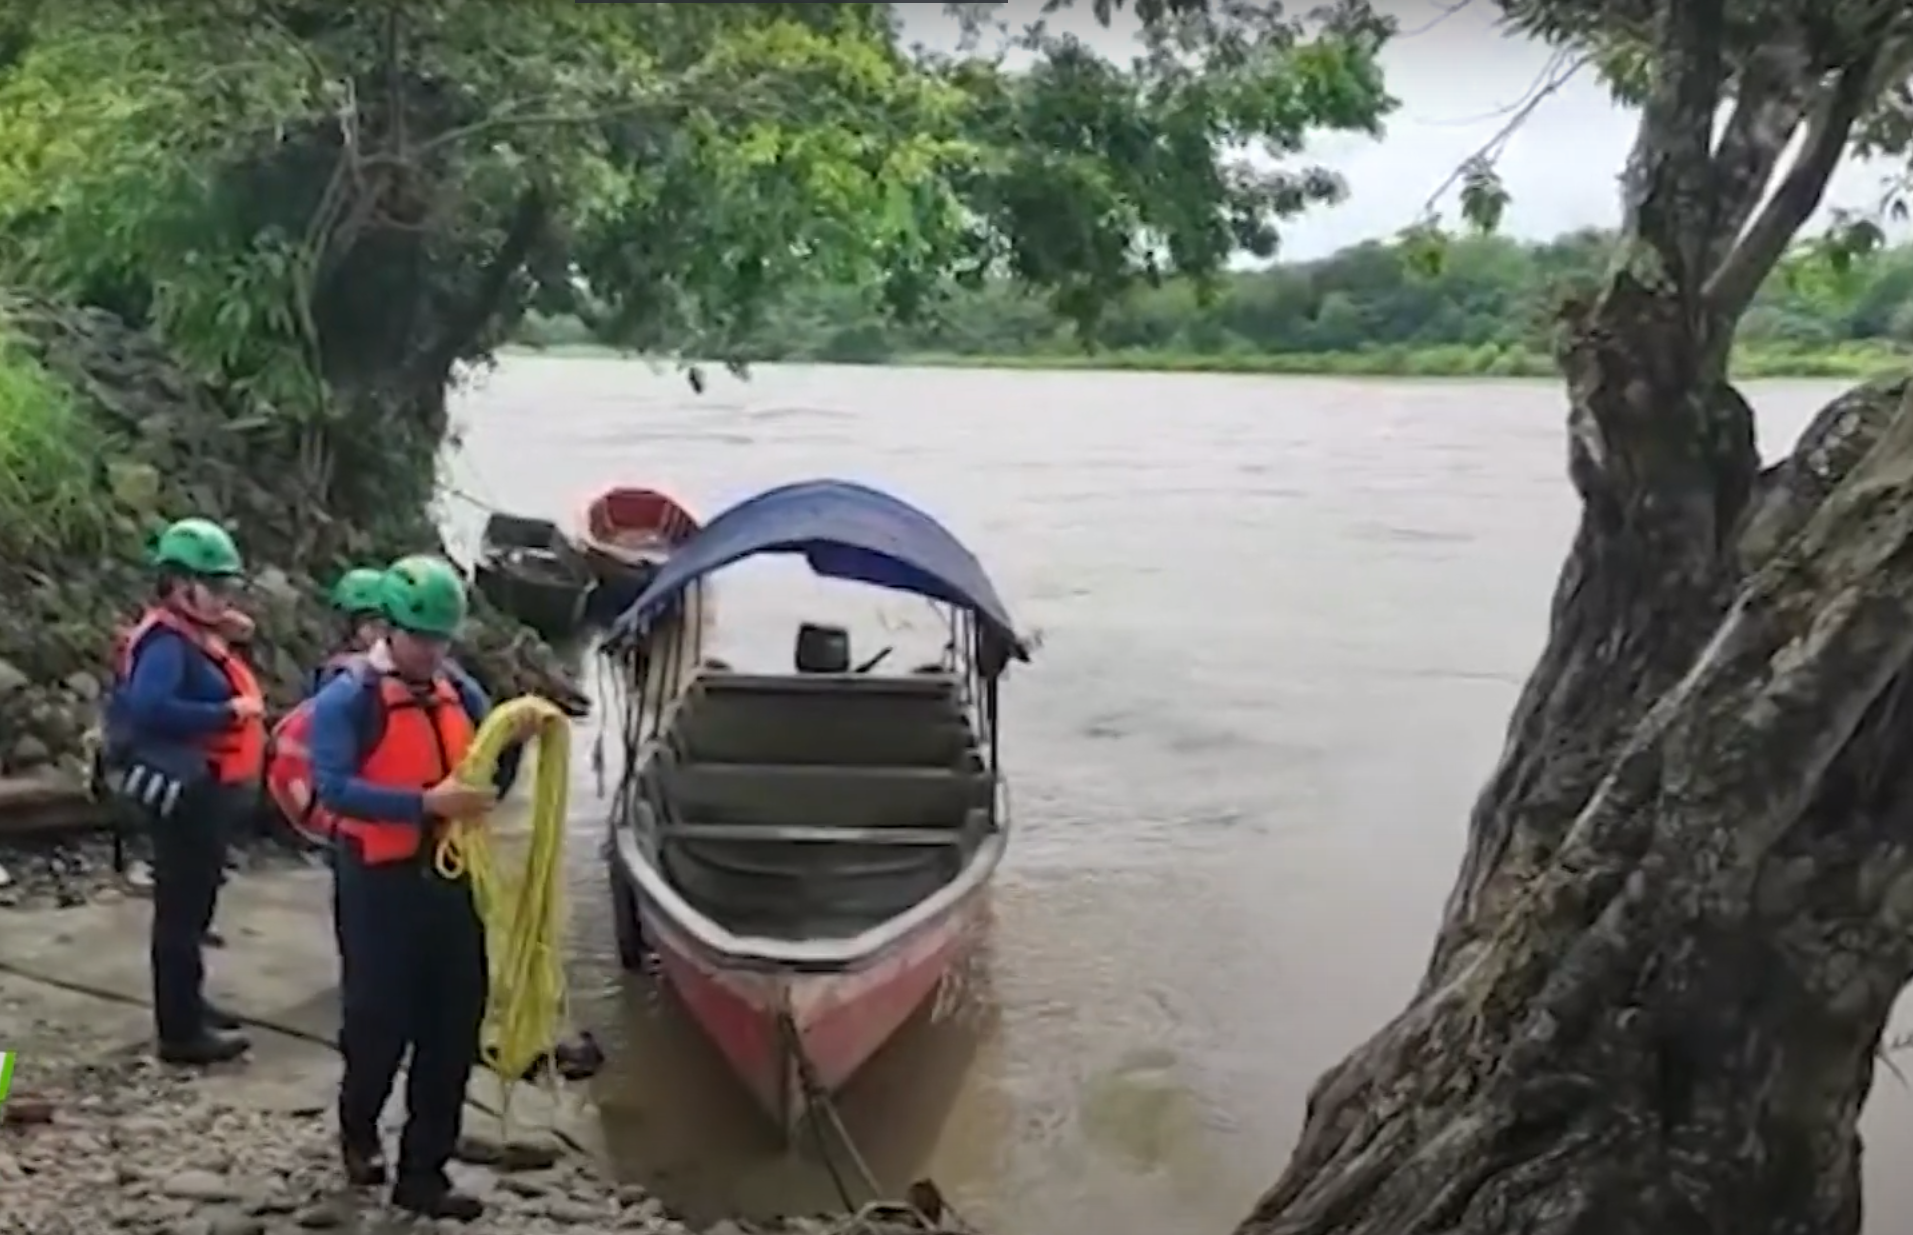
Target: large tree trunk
[[1656, 999], [1686, 907]]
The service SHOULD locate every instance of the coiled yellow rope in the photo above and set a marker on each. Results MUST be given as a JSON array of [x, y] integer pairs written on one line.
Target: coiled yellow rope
[[523, 913]]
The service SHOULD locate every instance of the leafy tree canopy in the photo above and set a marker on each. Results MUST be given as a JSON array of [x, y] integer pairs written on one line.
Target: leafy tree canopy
[[328, 205]]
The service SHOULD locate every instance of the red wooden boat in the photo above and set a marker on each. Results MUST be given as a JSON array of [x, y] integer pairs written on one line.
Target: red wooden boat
[[807, 854], [627, 531]]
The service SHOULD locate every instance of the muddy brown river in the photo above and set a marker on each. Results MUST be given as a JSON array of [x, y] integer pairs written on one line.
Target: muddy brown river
[[1283, 623]]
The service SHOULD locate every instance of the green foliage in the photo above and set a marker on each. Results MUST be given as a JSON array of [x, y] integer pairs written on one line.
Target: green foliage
[[49, 463], [1101, 173], [1857, 361], [1484, 199], [110, 192], [1488, 307], [1796, 86], [325, 207]]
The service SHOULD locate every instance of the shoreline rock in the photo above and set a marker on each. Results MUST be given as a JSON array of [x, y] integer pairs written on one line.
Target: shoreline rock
[[126, 1144], [132, 1146]]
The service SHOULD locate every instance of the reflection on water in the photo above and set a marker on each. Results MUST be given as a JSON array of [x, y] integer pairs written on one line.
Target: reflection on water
[[1284, 621]]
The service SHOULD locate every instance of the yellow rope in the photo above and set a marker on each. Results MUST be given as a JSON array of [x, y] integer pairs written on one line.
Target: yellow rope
[[523, 913]]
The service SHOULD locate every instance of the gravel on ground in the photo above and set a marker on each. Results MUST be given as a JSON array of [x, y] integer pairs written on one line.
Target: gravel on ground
[[82, 869], [97, 1137]]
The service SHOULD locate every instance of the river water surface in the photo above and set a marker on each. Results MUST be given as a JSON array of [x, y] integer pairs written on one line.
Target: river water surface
[[1283, 623]]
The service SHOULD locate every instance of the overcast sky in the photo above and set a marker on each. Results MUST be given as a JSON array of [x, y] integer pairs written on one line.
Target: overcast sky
[[1456, 77]]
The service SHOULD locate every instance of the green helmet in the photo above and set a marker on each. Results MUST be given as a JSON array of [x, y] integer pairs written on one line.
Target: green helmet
[[424, 595], [359, 591], [198, 547]]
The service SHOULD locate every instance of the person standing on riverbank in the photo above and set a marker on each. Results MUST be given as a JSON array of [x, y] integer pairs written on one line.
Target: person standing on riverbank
[[386, 744], [185, 744], [357, 598]]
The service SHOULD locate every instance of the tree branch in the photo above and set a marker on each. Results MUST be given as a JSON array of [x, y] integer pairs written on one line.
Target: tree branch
[[738, 97], [1670, 174], [1562, 68], [1732, 286], [1770, 101], [464, 325]]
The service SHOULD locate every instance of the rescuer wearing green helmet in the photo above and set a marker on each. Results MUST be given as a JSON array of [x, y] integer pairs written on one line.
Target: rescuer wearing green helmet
[[359, 598], [184, 745], [386, 743]]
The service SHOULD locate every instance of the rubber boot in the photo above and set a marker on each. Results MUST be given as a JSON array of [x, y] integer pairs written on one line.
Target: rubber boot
[[220, 1020], [433, 1198], [208, 1048], [364, 1164]]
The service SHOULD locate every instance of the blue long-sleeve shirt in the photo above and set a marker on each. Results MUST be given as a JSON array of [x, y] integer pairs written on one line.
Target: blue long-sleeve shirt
[[342, 712], [322, 675], [173, 692]]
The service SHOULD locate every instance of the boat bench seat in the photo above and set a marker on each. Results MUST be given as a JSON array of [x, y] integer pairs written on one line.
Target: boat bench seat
[[823, 795], [807, 835], [864, 685], [842, 721], [815, 807], [798, 881]]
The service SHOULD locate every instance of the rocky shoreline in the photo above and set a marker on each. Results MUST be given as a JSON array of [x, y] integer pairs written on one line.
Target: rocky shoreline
[[73, 871], [98, 1137], [128, 1145], [121, 1143]]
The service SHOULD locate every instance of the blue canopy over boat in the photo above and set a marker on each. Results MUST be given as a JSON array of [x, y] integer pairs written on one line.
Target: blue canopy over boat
[[845, 531]]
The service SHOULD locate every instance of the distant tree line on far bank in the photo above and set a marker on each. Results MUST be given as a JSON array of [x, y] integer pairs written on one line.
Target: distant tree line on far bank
[[1487, 308]]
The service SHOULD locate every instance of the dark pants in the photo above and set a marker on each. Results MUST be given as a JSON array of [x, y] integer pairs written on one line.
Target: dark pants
[[338, 922], [413, 972], [189, 865]]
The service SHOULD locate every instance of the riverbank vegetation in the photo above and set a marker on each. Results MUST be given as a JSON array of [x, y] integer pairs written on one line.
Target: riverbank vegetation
[[49, 448], [324, 210], [1490, 308], [251, 246]]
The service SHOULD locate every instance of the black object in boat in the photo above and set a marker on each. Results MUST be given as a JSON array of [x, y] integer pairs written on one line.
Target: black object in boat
[[822, 649]]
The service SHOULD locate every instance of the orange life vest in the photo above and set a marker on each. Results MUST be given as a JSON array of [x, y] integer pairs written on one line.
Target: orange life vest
[[236, 754], [289, 766], [425, 736]]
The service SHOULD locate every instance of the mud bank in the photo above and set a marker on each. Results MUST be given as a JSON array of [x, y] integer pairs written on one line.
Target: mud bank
[[144, 443], [100, 1138]]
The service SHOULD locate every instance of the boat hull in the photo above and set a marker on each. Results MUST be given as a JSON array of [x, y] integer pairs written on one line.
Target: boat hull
[[840, 1020], [616, 568], [555, 610], [626, 533]]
